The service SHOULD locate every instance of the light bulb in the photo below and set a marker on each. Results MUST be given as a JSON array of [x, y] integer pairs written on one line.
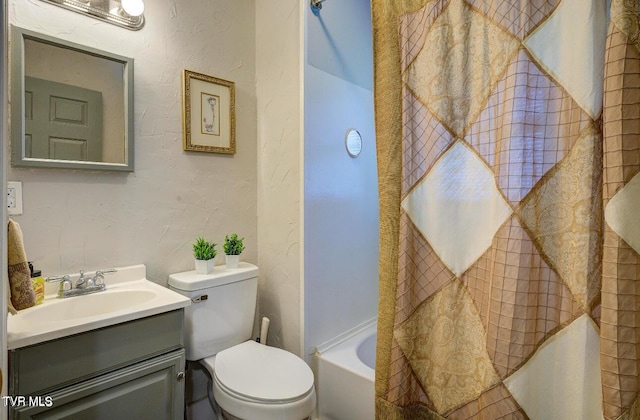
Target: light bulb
[[133, 7]]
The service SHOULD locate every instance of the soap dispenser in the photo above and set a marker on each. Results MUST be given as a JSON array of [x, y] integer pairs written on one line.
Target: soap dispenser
[[38, 283]]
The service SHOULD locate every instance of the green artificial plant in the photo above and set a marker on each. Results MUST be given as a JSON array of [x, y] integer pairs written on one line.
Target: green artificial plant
[[233, 245], [203, 249]]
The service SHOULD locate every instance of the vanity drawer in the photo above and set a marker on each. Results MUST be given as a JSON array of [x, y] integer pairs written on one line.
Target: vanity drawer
[[37, 369]]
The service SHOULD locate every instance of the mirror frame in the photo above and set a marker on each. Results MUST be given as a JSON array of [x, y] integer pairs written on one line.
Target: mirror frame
[[18, 158]]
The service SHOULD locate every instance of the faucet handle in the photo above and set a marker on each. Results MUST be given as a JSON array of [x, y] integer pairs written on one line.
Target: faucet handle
[[65, 277], [98, 279], [65, 281]]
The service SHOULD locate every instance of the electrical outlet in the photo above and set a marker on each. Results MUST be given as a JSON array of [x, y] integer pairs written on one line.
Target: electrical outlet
[[14, 197]]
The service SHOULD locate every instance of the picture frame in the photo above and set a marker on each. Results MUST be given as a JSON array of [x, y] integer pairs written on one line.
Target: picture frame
[[209, 116]]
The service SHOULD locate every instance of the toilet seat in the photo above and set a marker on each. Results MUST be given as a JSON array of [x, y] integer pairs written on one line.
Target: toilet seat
[[254, 381], [262, 373]]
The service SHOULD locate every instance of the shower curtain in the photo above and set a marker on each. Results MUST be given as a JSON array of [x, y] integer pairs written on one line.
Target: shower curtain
[[508, 157]]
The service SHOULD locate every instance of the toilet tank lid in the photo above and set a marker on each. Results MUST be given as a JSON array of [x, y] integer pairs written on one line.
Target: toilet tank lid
[[190, 280]]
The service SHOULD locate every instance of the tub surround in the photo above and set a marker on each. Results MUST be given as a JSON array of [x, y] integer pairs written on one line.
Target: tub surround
[[340, 192], [345, 366]]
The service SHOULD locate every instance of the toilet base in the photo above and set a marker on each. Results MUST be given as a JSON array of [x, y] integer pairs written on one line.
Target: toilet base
[[227, 416]]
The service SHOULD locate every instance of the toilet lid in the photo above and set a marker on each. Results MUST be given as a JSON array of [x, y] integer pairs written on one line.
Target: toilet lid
[[263, 373]]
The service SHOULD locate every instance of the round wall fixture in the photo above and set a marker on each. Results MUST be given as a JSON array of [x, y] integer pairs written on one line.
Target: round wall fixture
[[353, 142]]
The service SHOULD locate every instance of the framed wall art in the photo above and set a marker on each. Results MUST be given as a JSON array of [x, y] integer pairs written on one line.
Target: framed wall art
[[209, 117]]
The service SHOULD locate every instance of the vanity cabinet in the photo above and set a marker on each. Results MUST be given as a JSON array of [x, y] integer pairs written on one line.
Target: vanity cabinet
[[132, 370]]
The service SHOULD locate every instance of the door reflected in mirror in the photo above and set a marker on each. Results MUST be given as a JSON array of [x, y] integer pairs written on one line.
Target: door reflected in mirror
[[75, 105]]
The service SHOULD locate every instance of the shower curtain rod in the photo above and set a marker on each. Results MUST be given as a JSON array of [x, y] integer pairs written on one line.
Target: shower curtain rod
[[316, 4]]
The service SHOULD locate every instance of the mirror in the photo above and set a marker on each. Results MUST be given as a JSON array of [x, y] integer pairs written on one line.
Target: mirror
[[71, 105]]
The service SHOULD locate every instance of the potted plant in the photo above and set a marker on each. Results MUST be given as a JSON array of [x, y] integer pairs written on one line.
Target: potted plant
[[204, 252], [233, 247]]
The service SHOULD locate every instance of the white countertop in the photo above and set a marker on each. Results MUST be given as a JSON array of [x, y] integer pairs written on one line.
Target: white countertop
[[128, 296]]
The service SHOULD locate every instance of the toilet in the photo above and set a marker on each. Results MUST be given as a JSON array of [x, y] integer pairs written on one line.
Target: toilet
[[250, 381]]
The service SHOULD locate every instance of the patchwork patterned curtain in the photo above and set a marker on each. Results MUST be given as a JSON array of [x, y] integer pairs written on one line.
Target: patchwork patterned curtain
[[508, 160]]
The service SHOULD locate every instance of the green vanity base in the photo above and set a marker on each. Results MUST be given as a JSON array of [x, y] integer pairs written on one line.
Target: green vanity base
[[129, 370]]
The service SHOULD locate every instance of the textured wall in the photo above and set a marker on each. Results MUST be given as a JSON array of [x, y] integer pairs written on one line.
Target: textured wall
[[87, 220], [280, 144]]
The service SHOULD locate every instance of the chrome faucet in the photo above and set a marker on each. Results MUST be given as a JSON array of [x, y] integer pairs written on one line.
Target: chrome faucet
[[84, 285], [81, 283]]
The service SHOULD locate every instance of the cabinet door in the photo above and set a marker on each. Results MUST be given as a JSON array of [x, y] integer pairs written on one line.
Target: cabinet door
[[152, 389]]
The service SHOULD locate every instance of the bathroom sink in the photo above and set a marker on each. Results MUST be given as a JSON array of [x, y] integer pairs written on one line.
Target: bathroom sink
[[128, 296], [88, 306]]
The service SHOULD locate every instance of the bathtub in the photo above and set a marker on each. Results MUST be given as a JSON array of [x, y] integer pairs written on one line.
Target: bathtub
[[345, 375]]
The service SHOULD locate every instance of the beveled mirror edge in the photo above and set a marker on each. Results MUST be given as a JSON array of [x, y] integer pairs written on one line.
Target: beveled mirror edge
[[18, 159]]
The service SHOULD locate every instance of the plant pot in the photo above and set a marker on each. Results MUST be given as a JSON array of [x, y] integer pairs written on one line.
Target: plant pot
[[205, 266], [232, 261]]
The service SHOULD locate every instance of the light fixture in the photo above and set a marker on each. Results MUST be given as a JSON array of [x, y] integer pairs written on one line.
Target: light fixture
[[133, 7], [124, 13]]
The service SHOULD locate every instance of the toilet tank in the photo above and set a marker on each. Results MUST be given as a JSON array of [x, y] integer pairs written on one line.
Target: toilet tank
[[222, 308]]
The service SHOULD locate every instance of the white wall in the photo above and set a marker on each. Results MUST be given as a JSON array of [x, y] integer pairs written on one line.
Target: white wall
[[88, 220], [341, 196], [280, 144]]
